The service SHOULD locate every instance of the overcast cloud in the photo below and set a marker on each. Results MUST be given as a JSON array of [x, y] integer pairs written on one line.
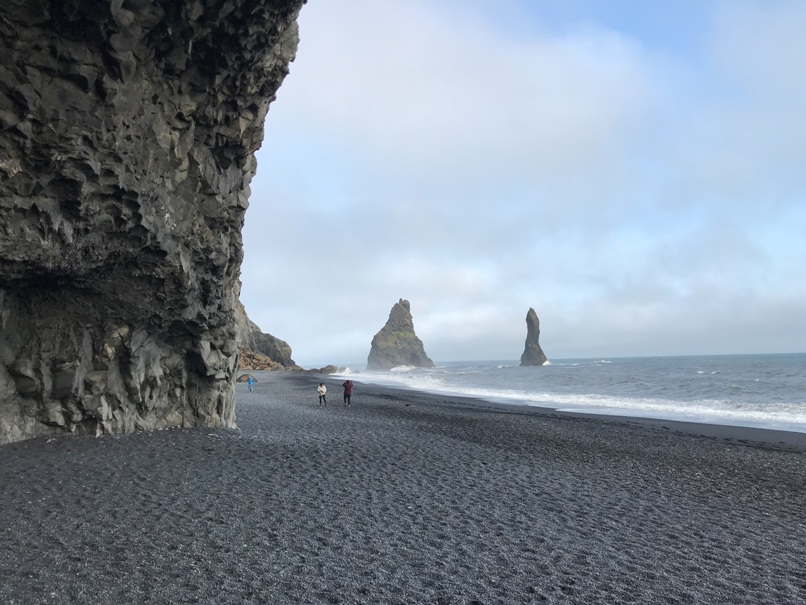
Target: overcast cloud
[[635, 176]]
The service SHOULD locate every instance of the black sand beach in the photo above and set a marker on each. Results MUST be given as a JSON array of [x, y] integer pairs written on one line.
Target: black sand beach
[[405, 498]]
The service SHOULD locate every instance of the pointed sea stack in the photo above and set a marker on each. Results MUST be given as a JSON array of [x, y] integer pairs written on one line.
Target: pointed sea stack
[[533, 355], [397, 344]]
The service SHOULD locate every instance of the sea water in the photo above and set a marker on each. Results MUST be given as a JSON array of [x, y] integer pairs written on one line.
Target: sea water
[[766, 391]]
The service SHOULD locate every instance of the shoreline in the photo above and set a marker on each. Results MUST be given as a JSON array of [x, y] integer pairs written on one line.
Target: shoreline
[[744, 435]]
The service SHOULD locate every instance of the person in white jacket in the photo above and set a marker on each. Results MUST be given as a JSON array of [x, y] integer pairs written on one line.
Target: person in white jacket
[[322, 390]]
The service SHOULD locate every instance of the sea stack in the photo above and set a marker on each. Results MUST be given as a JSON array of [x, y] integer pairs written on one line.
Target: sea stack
[[533, 355], [397, 344]]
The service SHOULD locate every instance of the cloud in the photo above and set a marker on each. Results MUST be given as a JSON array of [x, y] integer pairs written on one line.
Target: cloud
[[478, 164]]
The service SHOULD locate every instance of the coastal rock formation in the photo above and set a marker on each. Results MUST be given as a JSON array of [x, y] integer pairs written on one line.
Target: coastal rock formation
[[270, 346], [533, 355], [249, 360], [257, 342], [328, 369], [397, 344], [127, 138]]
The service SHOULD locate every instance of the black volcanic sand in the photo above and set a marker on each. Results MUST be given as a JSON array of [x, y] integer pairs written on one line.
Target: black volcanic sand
[[405, 498]]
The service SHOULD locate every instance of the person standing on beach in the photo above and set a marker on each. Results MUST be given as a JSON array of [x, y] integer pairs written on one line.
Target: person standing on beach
[[348, 392], [322, 390], [249, 380]]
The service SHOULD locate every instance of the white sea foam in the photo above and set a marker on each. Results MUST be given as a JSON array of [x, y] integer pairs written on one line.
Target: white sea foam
[[663, 388]]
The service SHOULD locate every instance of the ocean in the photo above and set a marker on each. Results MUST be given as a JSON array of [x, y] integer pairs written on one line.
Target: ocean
[[765, 391]]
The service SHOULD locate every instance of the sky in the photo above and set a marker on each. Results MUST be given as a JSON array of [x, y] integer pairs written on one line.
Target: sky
[[634, 171]]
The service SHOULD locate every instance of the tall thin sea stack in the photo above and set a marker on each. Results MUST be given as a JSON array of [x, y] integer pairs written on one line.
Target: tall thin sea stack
[[533, 355], [396, 344]]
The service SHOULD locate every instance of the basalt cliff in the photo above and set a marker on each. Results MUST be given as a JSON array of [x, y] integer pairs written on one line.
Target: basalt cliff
[[396, 344], [127, 138], [259, 350]]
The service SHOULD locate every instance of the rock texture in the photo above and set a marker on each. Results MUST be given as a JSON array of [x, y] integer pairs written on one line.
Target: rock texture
[[127, 138], [397, 344], [328, 369], [256, 341], [249, 360], [533, 355]]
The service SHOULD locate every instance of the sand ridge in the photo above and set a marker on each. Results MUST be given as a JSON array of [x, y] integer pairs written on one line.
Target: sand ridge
[[402, 498]]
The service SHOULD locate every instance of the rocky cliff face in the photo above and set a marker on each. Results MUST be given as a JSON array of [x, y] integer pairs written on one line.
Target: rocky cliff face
[[397, 344], [272, 347], [532, 354], [257, 341], [127, 134]]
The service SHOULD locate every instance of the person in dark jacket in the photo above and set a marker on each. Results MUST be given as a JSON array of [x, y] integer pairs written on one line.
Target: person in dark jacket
[[348, 392]]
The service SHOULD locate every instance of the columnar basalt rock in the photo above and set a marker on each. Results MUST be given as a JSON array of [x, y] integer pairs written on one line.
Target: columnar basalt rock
[[532, 354], [396, 344], [127, 138]]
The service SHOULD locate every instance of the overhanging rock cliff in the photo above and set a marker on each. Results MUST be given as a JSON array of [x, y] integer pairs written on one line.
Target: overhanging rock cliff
[[127, 134]]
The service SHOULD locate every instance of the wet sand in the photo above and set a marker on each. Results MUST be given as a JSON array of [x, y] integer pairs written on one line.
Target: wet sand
[[405, 497]]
